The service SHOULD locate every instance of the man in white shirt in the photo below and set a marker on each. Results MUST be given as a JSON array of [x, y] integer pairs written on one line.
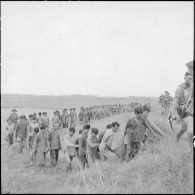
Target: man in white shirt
[[69, 146], [106, 143]]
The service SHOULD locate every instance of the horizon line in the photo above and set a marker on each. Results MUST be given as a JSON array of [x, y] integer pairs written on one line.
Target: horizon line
[[99, 96]]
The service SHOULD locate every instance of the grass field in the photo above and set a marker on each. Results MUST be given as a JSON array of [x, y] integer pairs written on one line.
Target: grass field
[[165, 167]]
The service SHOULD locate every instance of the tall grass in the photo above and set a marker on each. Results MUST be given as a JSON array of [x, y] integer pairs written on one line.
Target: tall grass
[[165, 167]]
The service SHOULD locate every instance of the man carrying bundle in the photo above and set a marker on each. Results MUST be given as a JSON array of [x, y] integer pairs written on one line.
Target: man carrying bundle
[[105, 146]]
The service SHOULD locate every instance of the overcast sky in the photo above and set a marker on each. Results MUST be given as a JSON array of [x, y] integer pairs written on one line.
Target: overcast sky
[[97, 48]]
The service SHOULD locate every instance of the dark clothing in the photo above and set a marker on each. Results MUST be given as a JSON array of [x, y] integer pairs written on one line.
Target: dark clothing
[[77, 149], [14, 117], [54, 139], [136, 129], [41, 142], [65, 125], [21, 130], [82, 145], [134, 149], [92, 148], [10, 138], [83, 160], [54, 156], [136, 133]]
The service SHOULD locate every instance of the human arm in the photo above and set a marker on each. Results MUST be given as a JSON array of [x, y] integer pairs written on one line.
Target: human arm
[[93, 144], [67, 142]]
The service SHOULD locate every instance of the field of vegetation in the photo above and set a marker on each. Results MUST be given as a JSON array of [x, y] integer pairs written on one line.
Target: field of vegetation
[[165, 167]]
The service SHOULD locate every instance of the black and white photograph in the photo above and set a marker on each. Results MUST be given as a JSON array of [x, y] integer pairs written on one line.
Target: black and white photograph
[[97, 97]]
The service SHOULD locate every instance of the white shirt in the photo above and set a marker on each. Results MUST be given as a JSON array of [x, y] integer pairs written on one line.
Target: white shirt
[[69, 143], [107, 139]]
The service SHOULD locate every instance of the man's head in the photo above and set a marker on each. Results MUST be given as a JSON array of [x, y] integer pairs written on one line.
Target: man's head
[[56, 126], [30, 116], [22, 118], [94, 132], [188, 79], [138, 112], [115, 126], [71, 131], [146, 110], [86, 129], [40, 114]]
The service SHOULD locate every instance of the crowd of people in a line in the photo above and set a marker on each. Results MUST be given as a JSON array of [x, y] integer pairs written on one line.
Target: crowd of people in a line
[[40, 137]]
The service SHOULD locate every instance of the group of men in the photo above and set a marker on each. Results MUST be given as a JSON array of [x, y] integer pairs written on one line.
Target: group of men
[[42, 136], [39, 136], [86, 115], [166, 102]]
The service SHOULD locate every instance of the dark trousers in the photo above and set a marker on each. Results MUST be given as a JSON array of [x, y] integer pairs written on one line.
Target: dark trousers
[[83, 160], [132, 150], [182, 131], [54, 156], [65, 125], [10, 138]]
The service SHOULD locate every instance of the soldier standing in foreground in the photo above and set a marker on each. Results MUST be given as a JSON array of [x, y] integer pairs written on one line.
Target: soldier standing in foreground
[[183, 105]]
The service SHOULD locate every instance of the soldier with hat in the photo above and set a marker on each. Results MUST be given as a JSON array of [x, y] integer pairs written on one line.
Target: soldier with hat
[[183, 106]]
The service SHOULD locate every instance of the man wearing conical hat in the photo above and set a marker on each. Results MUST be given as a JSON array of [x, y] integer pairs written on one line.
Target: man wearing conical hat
[[183, 105]]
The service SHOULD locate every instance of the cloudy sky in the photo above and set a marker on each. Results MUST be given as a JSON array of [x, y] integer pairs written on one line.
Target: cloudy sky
[[97, 48]]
